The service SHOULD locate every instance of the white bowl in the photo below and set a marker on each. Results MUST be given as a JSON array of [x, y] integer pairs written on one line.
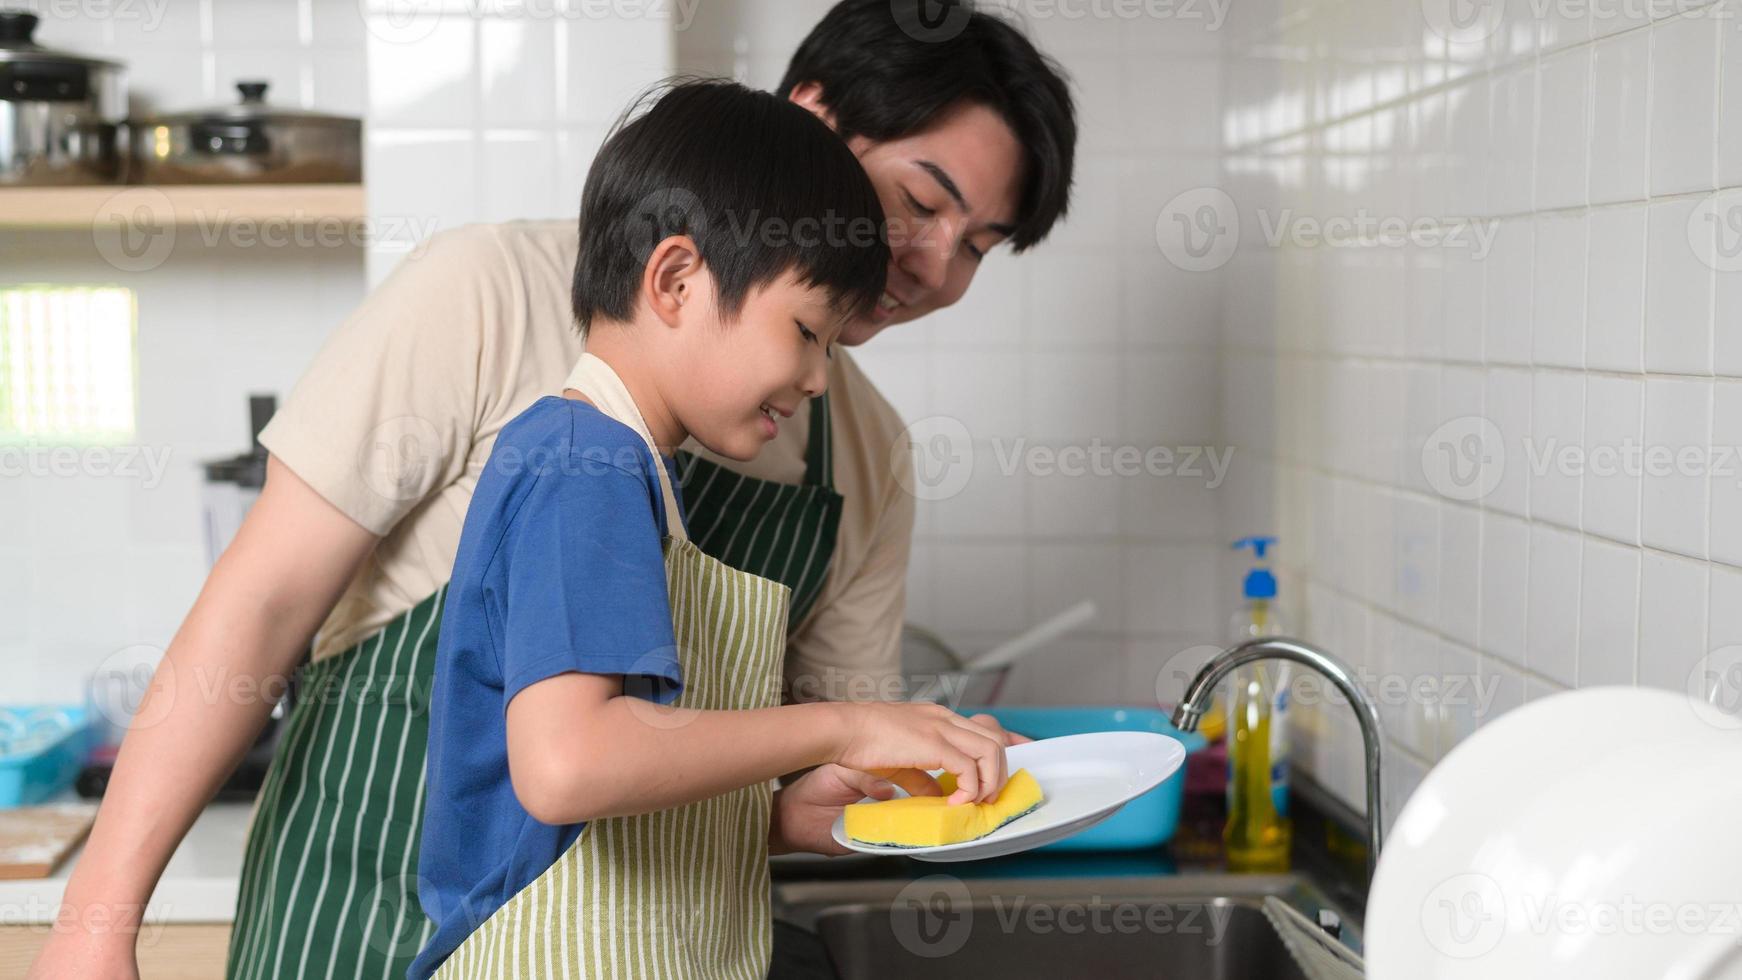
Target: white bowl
[[1596, 834]]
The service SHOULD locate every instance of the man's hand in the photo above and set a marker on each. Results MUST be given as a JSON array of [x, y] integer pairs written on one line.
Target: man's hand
[[805, 809]]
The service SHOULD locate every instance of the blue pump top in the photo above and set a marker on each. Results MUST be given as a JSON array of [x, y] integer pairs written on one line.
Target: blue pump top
[[1260, 584]]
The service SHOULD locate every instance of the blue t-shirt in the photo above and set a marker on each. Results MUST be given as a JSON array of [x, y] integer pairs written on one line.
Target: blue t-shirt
[[559, 569]]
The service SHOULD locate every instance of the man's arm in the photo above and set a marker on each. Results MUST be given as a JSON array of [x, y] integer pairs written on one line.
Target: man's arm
[[269, 592]]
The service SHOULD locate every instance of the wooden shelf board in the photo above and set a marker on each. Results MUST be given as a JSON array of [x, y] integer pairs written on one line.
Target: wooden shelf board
[[206, 205]]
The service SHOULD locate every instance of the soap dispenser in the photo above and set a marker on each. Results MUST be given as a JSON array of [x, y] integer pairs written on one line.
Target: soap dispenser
[[1258, 832]]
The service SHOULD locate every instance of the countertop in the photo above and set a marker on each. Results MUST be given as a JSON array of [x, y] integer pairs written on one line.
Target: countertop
[[198, 884]]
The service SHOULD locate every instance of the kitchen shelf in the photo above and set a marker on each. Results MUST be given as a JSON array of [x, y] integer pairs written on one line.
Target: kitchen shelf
[[206, 205]]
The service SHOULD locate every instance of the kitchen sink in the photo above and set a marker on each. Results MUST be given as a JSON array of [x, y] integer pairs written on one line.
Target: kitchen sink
[[1186, 926]]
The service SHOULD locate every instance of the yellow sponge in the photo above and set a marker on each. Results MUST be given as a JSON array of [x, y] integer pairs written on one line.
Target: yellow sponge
[[927, 821]]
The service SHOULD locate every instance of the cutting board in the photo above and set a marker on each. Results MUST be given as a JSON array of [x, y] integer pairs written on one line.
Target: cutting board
[[34, 840]]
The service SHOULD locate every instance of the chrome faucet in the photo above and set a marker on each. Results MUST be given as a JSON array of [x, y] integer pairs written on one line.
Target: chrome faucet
[[1198, 693]]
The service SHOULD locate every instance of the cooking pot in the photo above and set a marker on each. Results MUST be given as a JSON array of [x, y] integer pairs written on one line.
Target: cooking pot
[[249, 142], [60, 114]]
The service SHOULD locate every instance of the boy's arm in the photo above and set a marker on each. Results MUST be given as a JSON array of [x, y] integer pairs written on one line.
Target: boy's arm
[[579, 749]]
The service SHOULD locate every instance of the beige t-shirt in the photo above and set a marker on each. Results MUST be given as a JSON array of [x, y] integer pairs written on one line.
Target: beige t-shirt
[[395, 419]]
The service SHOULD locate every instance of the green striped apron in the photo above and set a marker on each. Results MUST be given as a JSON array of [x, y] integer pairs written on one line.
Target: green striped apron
[[679, 893], [328, 885]]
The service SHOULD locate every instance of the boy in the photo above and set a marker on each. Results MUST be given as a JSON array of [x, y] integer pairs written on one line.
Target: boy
[[606, 712]]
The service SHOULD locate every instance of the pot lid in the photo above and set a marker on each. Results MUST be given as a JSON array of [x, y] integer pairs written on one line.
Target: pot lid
[[251, 107], [16, 44]]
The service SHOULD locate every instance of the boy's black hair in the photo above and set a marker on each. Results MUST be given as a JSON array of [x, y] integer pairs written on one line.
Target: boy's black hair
[[887, 70], [761, 184]]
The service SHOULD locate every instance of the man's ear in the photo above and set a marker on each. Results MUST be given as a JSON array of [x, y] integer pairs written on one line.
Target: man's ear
[[673, 279], [810, 95]]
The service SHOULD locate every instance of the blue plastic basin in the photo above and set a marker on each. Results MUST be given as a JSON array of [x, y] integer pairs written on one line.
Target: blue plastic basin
[[1149, 820], [35, 768]]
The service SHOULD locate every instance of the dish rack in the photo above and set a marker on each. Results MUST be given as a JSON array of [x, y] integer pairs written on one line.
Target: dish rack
[[41, 749]]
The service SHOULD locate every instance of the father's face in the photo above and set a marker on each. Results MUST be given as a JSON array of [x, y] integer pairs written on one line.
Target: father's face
[[949, 194]]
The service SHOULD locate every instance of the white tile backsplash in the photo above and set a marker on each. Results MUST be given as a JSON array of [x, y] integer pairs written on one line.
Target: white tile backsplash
[[1562, 139], [1620, 127], [1675, 465], [1673, 593], [1575, 361], [1678, 293], [1609, 614], [1615, 337], [1684, 100]]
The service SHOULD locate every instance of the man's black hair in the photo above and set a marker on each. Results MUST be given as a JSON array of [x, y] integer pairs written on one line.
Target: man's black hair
[[761, 184], [888, 68]]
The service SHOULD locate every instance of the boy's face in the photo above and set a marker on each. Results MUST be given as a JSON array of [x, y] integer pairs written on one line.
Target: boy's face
[[752, 374], [949, 194]]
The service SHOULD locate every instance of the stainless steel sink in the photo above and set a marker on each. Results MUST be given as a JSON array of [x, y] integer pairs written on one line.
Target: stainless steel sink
[[1187, 926]]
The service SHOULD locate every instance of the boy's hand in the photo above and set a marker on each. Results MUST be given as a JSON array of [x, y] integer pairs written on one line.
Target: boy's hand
[[805, 809], [888, 738]]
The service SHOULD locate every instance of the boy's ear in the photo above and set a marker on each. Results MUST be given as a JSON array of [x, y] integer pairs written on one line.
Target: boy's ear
[[673, 279], [810, 95]]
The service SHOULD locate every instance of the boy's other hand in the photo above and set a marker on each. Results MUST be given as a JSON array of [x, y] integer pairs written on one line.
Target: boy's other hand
[[805, 810]]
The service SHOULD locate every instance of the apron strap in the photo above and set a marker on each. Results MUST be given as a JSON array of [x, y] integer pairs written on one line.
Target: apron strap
[[819, 450], [594, 378]]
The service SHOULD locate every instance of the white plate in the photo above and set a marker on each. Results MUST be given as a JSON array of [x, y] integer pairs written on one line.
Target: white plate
[[1085, 778]]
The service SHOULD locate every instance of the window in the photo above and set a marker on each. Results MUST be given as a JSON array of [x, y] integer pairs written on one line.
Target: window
[[66, 365]]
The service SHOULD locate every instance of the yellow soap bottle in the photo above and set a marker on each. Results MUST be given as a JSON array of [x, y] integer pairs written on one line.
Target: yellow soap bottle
[[1258, 832]]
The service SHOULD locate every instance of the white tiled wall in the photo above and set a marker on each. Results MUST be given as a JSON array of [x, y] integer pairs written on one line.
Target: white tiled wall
[[493, 111], [1605, 315]]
